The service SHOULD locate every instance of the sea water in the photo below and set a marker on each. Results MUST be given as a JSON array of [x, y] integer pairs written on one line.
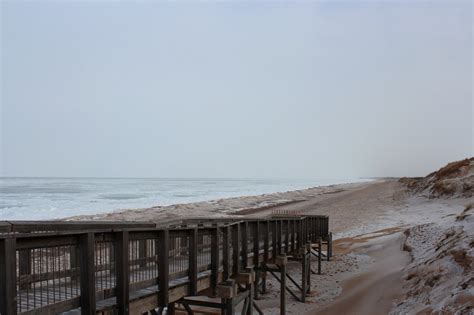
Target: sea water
[[52, 198]]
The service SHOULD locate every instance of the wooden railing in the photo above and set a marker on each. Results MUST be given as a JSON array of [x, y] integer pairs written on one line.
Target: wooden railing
[[103, 267]]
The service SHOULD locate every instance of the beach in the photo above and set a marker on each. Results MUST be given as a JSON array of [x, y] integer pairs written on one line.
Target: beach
[[381, 230]]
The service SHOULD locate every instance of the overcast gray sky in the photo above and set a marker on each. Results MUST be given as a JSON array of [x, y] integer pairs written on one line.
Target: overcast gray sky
[[235, 89]]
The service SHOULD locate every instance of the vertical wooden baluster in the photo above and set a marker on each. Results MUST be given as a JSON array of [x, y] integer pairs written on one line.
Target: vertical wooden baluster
[[163, 267], [193, 253], [123, 271], [214, 258], [8, 276], [236, 249], [226, 253], [87, 273]]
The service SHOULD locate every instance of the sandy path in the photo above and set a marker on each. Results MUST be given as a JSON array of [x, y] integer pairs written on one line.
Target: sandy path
[[354, 208], [367, 270], [373, 291]]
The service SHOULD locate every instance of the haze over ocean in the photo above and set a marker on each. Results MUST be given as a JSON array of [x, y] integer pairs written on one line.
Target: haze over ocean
[[263, 89], [51, 198], [231, 89]]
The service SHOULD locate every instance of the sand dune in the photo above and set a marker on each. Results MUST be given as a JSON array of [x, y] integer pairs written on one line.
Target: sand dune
[[403, 246]]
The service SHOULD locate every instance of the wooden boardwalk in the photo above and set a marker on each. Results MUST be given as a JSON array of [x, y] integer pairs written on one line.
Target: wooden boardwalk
[[135, 268]]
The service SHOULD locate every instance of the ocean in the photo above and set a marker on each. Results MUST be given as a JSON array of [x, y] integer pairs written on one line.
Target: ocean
[[53, 198]]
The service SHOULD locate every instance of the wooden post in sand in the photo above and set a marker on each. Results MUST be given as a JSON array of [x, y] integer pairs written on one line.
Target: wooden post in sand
[[281, 262], [320, 245]]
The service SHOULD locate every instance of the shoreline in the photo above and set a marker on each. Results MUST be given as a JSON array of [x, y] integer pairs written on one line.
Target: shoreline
[[369, 222], [222, 207]]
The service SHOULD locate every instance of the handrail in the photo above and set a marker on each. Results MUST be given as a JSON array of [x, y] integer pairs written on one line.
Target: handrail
[[44, 266]]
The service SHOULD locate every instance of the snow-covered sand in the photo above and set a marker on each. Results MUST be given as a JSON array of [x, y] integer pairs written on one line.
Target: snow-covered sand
[[398, 249]]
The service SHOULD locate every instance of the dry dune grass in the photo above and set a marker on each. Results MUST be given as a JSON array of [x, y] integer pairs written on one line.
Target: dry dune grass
[[453, 169], [465, 213], [456, 179]]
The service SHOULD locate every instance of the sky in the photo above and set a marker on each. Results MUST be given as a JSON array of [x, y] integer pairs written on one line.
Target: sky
[[235, 89]]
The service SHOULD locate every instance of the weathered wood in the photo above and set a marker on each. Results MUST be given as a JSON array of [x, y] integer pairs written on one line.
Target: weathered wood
[[142, 252], [171, 309], [86, 247], [56, 308], [214, 258], [193, 265], [227, 290], [122, 273], [282, 265], [46, 241], [304, 276], [236, 266], [249, 287], [55, 226], [293, 237], [24, 266], [205, 303], [230, 309], [274, 240], [8, 305], [256, 243], [279, 237], [266, 241], [320, 245], [146, 261], [246, 277], [163, 267], [308, 267], [329, 250], [256, 257], [244, 254]]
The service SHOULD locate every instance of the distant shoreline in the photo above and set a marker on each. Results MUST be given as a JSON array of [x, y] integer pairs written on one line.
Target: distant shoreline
[[56, 198]]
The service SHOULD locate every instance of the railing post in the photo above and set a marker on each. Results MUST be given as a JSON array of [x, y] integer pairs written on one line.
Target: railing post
[[279, 227], [281, 262], [245, 229], [123, 270], [193, 265], [226, 253], [256, 257], [274, 240], [308, 267], [299, 234], [305, 231], [304, 275], [8, 276], [236, 249], [266, 241], [320, 245], [330, 245], [163, 244], [315, 229], [256, 243], [293, 238], [214, 258], [87, 269]]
